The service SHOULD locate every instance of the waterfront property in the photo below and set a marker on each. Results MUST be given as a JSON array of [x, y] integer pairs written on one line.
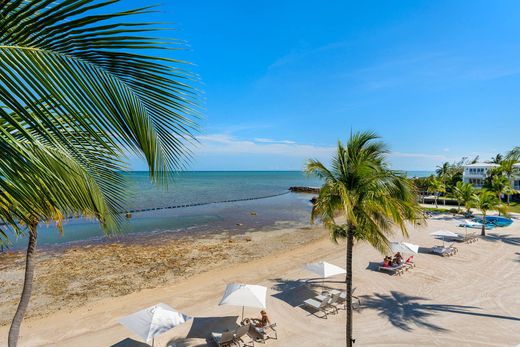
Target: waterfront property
[[477, 173]]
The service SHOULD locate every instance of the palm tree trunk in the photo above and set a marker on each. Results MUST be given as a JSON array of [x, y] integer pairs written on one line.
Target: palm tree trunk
[[483, 233], [350, 241], [14, 331]]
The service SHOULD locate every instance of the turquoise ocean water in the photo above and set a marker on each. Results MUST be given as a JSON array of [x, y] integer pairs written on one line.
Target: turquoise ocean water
[[209, 189]]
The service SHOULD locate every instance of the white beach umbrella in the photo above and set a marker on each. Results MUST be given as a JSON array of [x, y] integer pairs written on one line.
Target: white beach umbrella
[[250, 295], [443, 234], [324, 270], [153, 321], [404, 247]]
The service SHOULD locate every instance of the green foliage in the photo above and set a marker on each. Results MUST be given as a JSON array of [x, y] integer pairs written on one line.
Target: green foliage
[[486, 201], [464, 194], [77, 95], [362, 194]]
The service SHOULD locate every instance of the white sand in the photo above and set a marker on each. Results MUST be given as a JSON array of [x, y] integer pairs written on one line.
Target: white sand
[[470, 299]]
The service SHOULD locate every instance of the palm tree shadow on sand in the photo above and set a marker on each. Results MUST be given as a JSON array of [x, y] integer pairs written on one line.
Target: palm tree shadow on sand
[[405, 311], [505, 238]]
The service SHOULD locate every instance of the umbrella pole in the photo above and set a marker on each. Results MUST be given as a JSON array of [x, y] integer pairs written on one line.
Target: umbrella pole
[[152, 342]]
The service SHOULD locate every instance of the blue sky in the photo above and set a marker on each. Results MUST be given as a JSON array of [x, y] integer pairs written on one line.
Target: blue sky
[[284, 80]]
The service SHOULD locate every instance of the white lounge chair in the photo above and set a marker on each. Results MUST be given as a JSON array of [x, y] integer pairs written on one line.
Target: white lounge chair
[[444, 251], [242, 331], [224, 339], [464, 238], [262, 334], [319, 306], [356, 302], [393, 270]]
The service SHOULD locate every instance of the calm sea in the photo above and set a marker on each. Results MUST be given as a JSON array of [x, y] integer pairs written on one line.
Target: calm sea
[[215, 194]]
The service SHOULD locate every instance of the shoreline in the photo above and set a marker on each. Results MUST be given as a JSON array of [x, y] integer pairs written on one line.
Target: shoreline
[[72, 275], [234, 217]]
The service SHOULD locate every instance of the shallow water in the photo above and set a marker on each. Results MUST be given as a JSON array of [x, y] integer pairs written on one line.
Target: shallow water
[[208, 188]]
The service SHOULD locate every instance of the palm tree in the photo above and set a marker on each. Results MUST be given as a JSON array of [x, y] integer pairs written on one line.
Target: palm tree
[[464, 193], [436, 187], [485, 201], [509, 169], [497, 159], [501, 185], [78, 94], [362, 199], [443, 171]]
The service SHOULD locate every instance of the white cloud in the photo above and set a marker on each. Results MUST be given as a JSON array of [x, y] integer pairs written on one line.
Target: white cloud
[[227, 144], [264, 140], [417, 155]]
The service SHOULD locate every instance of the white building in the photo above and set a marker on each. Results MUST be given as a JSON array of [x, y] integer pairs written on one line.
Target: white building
[[477, 173]]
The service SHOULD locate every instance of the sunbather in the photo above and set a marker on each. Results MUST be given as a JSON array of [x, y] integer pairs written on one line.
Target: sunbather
[[398, 259], [387, 262], [262, 322]]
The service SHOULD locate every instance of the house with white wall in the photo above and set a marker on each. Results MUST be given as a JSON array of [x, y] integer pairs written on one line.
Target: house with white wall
[[477, 173]]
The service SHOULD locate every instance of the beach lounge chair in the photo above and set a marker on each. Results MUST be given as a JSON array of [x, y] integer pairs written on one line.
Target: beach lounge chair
[[393, 270], [263, 334], [319, 306], [356, 302], [444, 251], [334, 300], [409, 263], [242, 331], [224, 339], [464, 238]]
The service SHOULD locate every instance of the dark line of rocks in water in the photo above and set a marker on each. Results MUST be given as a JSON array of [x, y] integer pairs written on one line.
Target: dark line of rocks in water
[[129, 212], [311, 190]]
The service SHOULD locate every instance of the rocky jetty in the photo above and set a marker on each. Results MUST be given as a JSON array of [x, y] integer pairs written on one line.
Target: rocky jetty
[[311, 190]]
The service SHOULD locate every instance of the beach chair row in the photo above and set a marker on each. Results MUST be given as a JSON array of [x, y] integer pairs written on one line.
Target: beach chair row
[[330, 302], [444, 251]]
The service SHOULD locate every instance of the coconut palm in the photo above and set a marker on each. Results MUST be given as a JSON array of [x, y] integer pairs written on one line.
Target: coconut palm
[[463, 193], [78, 94], [497, 159], [501, 185], [486, 201], [362, 199], [436, 187], [509, 168], [443, 170]]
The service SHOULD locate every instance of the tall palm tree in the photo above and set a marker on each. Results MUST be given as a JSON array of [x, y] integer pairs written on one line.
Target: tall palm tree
[[486, 201], [509, 168], [436, 187], [78, 94], [464, 193], [363, 200]]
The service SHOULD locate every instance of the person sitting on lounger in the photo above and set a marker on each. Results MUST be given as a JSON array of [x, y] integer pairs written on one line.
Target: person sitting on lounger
[[398, 259], [264, 321], [387, 262]]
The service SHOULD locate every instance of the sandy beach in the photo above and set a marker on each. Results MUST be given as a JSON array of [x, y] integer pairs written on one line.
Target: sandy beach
[[470, 299]]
